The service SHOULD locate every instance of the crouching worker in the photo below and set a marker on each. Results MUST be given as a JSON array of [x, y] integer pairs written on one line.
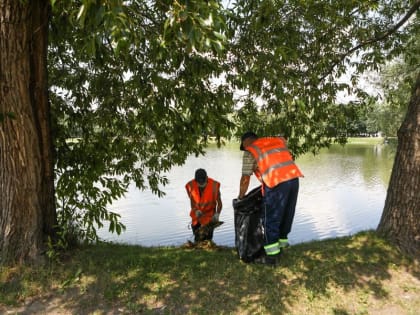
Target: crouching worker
[[206, 205]]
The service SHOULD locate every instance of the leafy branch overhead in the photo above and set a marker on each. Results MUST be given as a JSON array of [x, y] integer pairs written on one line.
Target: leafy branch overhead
[[190, 25], [140, 85], [381, 36], [298, 60], [137, 99], [197, 25]]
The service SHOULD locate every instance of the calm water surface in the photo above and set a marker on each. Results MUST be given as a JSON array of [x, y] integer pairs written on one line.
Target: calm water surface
[[343, 192]]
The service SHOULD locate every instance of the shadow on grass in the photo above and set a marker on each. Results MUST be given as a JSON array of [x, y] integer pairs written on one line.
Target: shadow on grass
[[136, 280]]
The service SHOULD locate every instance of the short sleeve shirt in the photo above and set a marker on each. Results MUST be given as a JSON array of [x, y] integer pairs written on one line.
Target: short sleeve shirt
[[249, 164]]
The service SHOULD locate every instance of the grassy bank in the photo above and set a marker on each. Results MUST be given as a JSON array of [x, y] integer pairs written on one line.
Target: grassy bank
[[366, 140], [351, 140], [361, 274]]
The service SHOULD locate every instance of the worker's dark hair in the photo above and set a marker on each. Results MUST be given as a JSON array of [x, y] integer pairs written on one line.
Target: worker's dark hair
[[200, 176], [246, 135]]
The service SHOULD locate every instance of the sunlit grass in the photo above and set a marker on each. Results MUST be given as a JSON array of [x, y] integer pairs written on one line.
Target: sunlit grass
[[365, 140], [350, 275]]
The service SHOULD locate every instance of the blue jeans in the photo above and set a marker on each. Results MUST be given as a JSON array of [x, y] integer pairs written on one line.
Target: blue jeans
[[279, 210]]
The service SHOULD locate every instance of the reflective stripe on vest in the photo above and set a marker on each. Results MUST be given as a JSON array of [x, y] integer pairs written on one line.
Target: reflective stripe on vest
[[275, 166], [271, 151], [274, 161]]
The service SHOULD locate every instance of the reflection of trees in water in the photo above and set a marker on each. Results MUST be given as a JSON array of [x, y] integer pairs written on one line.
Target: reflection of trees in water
[[341, 163], [385, 154], [376, 163]]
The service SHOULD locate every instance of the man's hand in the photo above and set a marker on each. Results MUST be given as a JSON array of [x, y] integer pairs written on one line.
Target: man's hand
[[198, 213], [215, 217]]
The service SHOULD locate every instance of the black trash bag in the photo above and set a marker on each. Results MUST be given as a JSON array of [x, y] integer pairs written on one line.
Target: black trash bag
[[249, 233]]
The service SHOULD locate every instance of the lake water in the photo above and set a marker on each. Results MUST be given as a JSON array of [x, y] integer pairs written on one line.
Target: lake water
[[343, 192]]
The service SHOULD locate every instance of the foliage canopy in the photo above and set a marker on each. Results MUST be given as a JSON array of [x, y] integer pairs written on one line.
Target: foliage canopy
[[138, 94], [140, 84]]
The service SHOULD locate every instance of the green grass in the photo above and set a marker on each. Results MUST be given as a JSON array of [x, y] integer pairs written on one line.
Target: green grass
[[366, 140], [361, 274], [372, 140]]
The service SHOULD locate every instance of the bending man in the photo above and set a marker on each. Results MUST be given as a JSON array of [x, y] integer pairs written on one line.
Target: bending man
[[270, 160]]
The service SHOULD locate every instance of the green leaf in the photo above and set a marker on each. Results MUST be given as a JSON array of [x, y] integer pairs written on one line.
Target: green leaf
[[81, 15]]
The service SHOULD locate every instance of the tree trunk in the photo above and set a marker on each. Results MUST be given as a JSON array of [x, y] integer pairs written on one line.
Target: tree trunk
[[27, 204], [401, 216]]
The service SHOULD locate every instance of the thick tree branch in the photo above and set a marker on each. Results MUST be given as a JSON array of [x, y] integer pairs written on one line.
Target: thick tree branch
[[389, 32]]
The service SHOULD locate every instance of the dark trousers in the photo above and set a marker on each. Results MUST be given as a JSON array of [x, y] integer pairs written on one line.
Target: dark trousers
[[204, 234], [279, 210]]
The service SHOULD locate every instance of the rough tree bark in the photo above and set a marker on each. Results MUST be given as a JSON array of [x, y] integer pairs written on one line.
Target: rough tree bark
[[400, 220], [27, 205]]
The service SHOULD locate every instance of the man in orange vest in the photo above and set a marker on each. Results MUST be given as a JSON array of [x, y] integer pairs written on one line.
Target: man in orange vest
[[206, 204], [270, 160]]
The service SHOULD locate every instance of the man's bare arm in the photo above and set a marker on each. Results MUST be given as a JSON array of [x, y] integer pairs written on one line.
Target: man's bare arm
[[243, 186]]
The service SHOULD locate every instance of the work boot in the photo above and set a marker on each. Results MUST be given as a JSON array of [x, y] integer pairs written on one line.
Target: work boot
[[269, 260]]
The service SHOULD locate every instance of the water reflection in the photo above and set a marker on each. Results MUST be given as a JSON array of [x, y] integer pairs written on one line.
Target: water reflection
[[343, 192]]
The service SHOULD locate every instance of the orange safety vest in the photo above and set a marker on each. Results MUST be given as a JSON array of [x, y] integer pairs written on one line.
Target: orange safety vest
[[274, 162], [206, 202]]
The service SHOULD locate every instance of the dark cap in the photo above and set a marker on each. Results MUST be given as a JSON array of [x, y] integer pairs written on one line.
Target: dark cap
[[200, 176], [246, 135]]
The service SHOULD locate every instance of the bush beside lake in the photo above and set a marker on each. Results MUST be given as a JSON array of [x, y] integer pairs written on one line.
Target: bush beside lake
[[361, 274]]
